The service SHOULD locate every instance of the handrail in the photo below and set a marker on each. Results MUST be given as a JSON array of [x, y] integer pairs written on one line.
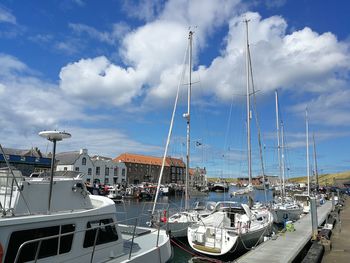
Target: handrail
[[133, 236], [13, 181], [60, 235]]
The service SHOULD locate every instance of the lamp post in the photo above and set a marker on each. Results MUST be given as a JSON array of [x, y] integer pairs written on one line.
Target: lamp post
[[53, 136]]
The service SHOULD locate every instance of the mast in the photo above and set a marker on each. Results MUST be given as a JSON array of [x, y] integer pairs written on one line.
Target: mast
[[188, 118], [282, 161], [248, 108], [315, 161], [278, 142], [307, 153]]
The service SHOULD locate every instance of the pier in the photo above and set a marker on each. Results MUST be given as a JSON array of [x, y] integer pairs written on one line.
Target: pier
[[287, 246], [340, 251]]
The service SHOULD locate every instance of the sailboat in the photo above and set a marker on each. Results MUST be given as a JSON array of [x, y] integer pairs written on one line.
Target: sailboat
[[232, 227], [285, 209], [54, 219], [304, 197], [178, 223]]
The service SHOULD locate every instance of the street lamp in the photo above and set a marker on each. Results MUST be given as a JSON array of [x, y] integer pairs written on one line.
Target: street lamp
[[53, 136]]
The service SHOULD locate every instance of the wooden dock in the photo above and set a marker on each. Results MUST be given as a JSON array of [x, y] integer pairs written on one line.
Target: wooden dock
[[289, 244]]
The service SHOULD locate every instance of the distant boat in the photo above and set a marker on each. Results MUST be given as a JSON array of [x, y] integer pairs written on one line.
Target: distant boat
[[220, 186]]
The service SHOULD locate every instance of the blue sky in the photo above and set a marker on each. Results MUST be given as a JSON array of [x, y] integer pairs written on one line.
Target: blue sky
[[108, 72]]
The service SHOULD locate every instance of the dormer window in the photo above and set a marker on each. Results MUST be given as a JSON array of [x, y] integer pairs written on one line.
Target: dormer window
[[83, 161]]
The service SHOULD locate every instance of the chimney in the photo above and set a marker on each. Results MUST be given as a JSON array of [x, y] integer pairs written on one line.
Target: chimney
[[83, 151]]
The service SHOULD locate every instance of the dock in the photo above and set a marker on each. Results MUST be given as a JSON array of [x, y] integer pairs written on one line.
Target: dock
[[287, 246], [340, 251]]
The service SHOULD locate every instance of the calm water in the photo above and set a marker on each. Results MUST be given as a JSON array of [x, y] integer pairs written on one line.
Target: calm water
[[132, 210]]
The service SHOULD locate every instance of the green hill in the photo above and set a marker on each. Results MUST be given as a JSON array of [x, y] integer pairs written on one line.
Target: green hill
[[323, 179]]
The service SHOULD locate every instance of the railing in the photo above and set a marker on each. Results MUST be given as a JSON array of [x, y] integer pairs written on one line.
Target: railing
[[95, 248]]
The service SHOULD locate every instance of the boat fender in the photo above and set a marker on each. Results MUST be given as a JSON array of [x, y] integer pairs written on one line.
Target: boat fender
[[164, 218], [1, 252]]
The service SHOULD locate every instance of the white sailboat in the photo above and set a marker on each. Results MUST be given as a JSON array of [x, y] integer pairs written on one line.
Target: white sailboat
[[55, 219], [178, 223], [285, 209], [232, 227]]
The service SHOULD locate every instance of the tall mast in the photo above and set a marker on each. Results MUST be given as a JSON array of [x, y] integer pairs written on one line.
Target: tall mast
[[188, 118], [307, 153], [248, 108], [282, 161], [278, 142], [315, 161]]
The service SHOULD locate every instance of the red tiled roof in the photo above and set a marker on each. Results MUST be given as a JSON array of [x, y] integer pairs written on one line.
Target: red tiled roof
[[150, 160]]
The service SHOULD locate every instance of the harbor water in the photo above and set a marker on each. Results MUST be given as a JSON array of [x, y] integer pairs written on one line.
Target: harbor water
[[131, 211]]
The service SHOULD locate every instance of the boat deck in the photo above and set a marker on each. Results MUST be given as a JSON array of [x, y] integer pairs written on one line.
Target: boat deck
[[289, 244]]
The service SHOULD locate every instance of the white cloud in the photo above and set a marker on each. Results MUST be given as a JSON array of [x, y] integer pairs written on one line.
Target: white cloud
[[6, 16], [143, 9], [153, 52], [67, 47], [33, 105], [100, 80], [302, 61], [92, 32], [329, 108]]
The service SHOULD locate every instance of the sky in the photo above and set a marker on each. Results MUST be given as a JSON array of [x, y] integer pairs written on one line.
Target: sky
[[108, 71]]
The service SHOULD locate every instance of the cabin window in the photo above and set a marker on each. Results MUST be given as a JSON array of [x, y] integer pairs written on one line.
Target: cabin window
[[106, 233], [83, 161], [49, 247]]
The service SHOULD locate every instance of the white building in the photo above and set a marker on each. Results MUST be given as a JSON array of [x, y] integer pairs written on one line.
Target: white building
[[78, 161], [97, 168], [107, 171], [197, 176]]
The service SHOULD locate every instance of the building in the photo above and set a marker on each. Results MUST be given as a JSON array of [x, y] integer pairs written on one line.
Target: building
[[27, 161], [197, 176], [142, 168], [107, 171], [78, 161], [242, 181]]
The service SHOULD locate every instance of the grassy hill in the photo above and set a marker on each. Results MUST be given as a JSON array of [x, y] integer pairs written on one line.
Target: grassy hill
[[229, 180], [323, 179]]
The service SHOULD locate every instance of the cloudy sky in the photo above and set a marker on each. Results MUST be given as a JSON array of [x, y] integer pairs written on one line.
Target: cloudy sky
[[108, 72]]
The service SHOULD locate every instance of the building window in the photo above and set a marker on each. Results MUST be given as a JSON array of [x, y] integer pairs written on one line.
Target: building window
[[49, 247], [89, 171], [83, 161], [116, 171], [98, 170], [77, 169], [107, 171], [123, 172], [107, 232]]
